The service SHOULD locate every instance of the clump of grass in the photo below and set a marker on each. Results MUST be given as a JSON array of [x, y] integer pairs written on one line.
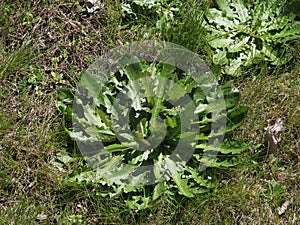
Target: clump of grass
[[187, 29]]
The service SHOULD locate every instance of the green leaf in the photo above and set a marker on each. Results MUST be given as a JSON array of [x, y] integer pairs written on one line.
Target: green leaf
[[159, 190], [141, 157], [220, 42], [238, 45], [119, 147], [168, 69], [65, 95], [289, 33], [236, 117], [235, 65], [215, 16], [181, 184], [225, 6], [220, 58], [91, 83], [232, 147], [171, 122], [138, 202], [271, 54], [241, 11]]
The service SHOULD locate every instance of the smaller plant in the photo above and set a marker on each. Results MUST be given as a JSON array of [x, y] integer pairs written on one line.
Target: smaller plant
[[29, 19], [244, 34], [35, 79]]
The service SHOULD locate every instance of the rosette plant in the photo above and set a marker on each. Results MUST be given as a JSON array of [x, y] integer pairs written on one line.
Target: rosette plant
[[150, 148]]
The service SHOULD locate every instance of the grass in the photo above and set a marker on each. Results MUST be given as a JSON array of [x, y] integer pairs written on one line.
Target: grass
[[45, 45]]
